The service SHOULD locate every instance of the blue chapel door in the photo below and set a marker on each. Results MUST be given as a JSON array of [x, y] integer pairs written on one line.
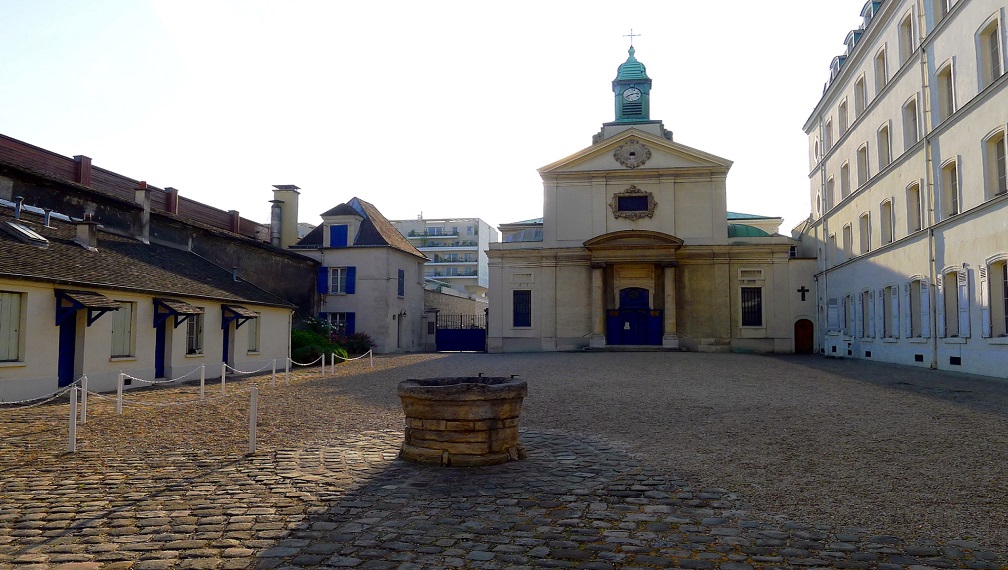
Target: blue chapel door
[[634, 323], [67, 350]]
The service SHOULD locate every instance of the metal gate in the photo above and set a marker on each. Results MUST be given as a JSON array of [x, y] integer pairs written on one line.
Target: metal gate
[[466, 333]]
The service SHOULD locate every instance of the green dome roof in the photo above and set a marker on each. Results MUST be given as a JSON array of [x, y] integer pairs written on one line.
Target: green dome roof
[[631, 68], [745, 230]]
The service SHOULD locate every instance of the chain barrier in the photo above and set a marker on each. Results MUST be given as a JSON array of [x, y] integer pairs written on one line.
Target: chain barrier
[[309, 364], [236, 371], [190, 373], [45, 399], [368, 353]]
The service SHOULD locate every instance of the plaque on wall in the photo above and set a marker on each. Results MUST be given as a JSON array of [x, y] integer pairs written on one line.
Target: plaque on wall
[[633, 204]]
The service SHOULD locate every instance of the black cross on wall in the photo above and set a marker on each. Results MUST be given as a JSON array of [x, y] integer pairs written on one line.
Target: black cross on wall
[[803, 290]]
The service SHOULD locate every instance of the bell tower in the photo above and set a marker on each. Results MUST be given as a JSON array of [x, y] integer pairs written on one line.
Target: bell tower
[[632, 89]]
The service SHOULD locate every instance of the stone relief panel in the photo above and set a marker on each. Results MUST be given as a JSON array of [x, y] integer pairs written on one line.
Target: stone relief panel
[[632, 153]]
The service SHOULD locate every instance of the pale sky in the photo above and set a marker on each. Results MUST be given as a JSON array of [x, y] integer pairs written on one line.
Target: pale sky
[[444, 108]]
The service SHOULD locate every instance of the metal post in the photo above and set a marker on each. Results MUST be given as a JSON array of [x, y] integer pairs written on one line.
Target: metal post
[[72, 446], [253, 416], [371, 357], [83, 407], [119, 390], [287, 370], [273, 376], [223, 369], [202, 380], [323, 365]]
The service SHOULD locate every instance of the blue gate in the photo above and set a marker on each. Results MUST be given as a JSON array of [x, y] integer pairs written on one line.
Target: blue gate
[[463, 333], [635, 322]]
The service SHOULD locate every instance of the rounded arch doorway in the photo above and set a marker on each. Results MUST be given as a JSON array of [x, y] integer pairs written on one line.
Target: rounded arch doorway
[[804, 337]]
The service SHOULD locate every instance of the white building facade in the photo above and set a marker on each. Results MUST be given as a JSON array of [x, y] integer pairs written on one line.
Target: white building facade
[[456, 248], [908, 195]]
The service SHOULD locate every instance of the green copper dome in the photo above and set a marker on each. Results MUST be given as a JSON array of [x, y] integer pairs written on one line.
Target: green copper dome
[[631, 68], [745, 230]]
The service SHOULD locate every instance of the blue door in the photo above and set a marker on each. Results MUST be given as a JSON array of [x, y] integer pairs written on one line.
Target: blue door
[[159, 350], [67, 349], [634, 323]]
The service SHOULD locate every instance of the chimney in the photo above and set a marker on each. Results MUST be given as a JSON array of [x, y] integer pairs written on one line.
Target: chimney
[[48, 216], [142, 197], [172, 200], [18, 204], [82, 170], [87, 233], [276, 221], [235, 221], [288, 195]]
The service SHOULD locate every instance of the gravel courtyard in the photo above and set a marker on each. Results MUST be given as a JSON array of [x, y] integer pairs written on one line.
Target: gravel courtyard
[[833, 444]]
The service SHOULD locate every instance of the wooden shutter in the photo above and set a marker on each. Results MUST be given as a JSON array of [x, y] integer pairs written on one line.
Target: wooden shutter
[[985, 303], [858, 325], [925, 301], [351, 323], [323, 280], [940, 306], [351, 279], [871, 313], [962, 280], [10, 326]]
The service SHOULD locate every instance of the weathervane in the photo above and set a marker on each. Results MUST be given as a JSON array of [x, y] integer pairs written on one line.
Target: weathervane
[[631, 35]]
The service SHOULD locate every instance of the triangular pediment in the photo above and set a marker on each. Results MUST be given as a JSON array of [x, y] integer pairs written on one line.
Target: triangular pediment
[[635, 150]]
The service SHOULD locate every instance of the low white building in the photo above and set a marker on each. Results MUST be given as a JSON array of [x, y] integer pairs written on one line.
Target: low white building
[[908, 189], [456, 248], [76, 300], [370, 277]]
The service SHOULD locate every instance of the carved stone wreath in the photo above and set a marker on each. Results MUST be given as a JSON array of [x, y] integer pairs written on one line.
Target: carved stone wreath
[[633, 204], [632, 153]]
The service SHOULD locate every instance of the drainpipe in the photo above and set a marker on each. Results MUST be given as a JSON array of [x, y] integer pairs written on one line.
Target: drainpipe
[[929, 185]]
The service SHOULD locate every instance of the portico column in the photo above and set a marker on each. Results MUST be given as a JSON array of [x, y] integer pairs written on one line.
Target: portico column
[[671, 337], [597, 339]]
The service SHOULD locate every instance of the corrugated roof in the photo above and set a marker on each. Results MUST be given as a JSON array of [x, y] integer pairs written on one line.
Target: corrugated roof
[[121, 263]]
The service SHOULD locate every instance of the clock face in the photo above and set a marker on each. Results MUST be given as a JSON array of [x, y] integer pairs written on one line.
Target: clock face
[[632, 94]]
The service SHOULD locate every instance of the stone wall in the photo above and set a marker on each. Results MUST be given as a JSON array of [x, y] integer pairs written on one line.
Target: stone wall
[[452, 304]]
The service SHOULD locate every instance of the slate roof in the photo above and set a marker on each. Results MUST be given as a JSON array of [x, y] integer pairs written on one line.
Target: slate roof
[[375, 229], [120, 263]]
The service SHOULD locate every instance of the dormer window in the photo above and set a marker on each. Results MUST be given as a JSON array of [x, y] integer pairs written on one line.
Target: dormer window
[[338, 235]]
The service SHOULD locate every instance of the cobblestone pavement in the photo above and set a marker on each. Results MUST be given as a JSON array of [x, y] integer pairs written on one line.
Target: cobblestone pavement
[[578, 501]]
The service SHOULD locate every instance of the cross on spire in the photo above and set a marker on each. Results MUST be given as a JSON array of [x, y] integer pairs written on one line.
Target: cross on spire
[[631, 35]]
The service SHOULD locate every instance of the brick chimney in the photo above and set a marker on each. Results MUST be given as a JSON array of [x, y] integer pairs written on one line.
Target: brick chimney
[[287, 194], [82, 170]]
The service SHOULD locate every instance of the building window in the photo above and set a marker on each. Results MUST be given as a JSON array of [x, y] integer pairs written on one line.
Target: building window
[[995, 157], [401, 287], [253, 333], [752, 306], [999, 298], [338, 235], [916, 311], [832, 251], [122, 330], [884, 147], [941, 8], [829, 193], [828, 136], [522, 308], [951, 303], [341, 280], [886, 222], [338, 322], [10, 326], [848, 310], [914, 208], [881, 77], [844, 180], [906, 42], [885, 302], [860, 95], [194, 334], [864, 224], [862, 165], [990, 53], [847, 242], [950, 190], [911, 132], [842, 117], [946, 93]]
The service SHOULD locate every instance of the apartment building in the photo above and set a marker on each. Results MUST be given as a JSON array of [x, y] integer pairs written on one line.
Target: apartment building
[[457, 251], [909, 210]]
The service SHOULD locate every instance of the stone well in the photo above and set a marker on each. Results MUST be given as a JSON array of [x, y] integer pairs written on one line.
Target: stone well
[[462, 422]]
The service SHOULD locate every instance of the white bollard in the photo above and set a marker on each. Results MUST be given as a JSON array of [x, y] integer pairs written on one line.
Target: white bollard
[[287, 370], [323, 365], [223, 369], [119, 390], [253, 417], [72, 446], [273, 377], [371, 357], [83, 407], [202, 381]]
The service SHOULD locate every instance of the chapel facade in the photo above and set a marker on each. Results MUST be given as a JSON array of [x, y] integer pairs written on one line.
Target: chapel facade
[[636, 247]]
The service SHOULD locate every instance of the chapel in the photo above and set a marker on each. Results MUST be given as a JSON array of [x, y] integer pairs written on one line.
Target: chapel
[[637, 248]]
